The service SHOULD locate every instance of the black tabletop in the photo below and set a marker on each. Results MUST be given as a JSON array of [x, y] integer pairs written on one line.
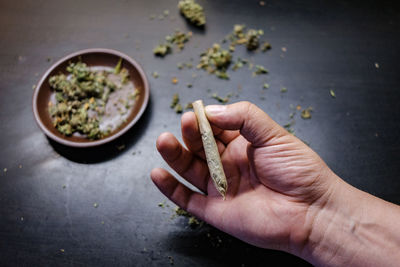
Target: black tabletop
[[98, 207]]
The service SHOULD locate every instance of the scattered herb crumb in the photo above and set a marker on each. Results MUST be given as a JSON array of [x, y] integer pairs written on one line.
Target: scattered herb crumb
[[62, 250], [178, 108], [239, 64], [192, 220], [189, 106], [121, 147], [215, 61], [265, 86], [5, 170], [155, 74], [162, 50], [306, 113], [220, 99], [95, 205], [265, 46], [171, 260], [333, 95], [283, 90], [117, 68], [175, 100], [174, 80], [376, 65], [260, 70], [179, 38], [288, 127]]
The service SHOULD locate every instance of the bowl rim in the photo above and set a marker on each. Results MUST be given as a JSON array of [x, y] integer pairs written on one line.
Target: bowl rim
[[106, 139]]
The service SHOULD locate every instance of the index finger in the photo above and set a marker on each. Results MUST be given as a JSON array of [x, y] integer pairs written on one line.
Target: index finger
[[192, 138]]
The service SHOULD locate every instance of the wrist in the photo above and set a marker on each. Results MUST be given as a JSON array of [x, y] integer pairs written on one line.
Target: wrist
[[349, 227]]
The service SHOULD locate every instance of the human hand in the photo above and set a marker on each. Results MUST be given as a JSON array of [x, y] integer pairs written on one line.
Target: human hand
[[276, 183]]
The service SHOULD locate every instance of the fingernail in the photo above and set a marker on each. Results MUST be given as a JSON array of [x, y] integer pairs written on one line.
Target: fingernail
[[215, 109]]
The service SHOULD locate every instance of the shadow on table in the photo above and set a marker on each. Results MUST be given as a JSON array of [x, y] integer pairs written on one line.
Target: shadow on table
[[107, 151], [211, 246]]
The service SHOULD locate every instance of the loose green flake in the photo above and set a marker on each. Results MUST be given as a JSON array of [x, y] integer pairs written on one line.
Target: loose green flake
[[175, 100], [283, 90], [265, 86], [95, 205], [178, 108], [260, 70], [221, 99], [265, 47], [188, 106], [162, 50], [179, 38], [192, 220], [306, 113], [155, 74], [117, 68], [288, 127], [239, 64], [332, 93]]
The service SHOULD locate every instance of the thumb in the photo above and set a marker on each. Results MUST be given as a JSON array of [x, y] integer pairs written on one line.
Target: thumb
[[253, 123]]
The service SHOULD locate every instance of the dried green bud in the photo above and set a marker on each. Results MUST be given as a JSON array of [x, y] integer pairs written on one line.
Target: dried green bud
[[253, 39], [215, 60], [193, 12]]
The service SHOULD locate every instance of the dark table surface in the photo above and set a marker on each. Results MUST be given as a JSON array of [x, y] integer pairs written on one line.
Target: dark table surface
[[47, 191]]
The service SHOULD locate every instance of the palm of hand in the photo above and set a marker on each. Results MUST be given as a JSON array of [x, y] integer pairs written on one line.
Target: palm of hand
[[269, 190]]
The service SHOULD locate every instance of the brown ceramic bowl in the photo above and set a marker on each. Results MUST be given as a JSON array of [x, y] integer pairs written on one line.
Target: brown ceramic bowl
[[99, 58]]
